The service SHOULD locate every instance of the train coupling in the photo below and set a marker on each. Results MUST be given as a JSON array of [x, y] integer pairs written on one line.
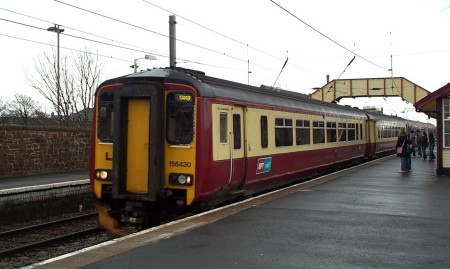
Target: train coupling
[[109, 224]]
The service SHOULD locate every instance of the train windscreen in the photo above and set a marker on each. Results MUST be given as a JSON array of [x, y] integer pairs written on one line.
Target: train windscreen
[[105, 117], [180, 118]]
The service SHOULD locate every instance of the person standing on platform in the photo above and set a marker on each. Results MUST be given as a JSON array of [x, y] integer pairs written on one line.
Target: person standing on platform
[[405, 157], [419, 143], [431, 144], [424, 145], [413, 139]]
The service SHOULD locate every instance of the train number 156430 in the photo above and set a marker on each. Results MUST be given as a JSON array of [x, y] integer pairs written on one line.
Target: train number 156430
[[179, 164]]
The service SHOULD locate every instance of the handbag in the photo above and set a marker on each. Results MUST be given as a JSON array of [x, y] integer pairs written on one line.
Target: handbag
[[400, 149]]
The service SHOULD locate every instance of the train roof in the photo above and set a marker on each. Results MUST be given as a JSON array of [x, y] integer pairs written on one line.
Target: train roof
[[218, 88], [379, 116]]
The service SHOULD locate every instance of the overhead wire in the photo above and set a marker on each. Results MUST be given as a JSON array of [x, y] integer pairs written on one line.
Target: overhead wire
[[99, 42], [136, 48], [225, 36], [154, 32], [78, 37], [322, 34], [62, 47], [214, 31], [183, 41], [74, 29]]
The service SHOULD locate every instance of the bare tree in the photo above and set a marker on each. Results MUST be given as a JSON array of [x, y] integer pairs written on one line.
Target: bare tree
[[43, 119], [73, 98], [23, 106], [2, 110], [88, 78], [45, 81], [2, 107]]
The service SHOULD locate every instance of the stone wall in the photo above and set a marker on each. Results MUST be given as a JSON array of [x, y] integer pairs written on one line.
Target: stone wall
[[33, 150]]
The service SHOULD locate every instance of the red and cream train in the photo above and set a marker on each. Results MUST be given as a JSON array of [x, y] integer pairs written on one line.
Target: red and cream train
[[171, 138]]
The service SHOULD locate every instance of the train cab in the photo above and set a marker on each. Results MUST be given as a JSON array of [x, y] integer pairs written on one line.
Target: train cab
[[143, 146]]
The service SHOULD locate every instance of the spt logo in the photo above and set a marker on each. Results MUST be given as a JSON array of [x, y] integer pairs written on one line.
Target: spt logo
[[264, 165]]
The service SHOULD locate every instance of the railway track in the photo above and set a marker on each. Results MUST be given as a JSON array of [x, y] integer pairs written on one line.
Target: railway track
[[15, 242]]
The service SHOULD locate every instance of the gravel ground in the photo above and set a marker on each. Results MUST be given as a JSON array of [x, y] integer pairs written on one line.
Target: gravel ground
[[53, 251], [56, 250]]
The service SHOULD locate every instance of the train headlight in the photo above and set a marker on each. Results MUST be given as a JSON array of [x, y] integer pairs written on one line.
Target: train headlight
[[102, 174], [181, 179]]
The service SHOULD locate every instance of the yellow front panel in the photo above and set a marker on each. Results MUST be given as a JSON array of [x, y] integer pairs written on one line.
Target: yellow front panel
[[137, 145], [181, 159], [103, 160]]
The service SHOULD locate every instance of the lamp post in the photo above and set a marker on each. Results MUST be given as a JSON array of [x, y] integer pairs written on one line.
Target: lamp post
[[57, 30], [147, 57]]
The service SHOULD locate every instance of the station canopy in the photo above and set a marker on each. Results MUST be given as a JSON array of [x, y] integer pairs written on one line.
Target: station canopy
[[427, 105]]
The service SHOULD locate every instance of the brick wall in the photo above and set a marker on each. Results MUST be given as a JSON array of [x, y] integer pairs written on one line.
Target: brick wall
[[33, 150]]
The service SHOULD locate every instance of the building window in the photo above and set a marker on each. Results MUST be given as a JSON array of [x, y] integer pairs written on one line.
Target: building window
[[446, 104], [283, 132]]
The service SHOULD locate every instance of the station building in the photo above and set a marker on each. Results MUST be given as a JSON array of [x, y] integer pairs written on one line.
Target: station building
[[437, 105]]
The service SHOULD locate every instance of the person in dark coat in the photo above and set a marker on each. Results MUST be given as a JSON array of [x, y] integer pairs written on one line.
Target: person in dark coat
[[424, 145], [405, 157], [419, 143], [413, 138], [431, 144]]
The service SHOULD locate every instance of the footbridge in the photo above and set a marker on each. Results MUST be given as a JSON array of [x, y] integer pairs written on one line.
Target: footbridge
[[370, 87]]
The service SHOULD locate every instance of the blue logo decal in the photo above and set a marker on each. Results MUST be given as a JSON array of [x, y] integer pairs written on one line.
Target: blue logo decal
[[264, 165]]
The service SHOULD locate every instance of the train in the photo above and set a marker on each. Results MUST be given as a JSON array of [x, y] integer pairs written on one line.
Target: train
[[166, 140]]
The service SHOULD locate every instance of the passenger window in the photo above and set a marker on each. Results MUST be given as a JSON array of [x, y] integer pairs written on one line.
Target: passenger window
[[331, 132], [237, 131], [342, 131], [302, 134], [283, 132], [351, 132], [223, 127], [318, 132], [264, 132], [361, 132], [180, 118]]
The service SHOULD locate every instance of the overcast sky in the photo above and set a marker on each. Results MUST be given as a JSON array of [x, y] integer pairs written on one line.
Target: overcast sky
[[227, 39]]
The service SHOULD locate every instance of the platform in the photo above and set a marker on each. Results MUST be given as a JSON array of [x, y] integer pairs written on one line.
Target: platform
[[371, 218], [45, 179]]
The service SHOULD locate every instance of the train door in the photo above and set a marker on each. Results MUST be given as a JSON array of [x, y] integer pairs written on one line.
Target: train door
[[137, 146], [231, 139], [371, 134], [137, 151]]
